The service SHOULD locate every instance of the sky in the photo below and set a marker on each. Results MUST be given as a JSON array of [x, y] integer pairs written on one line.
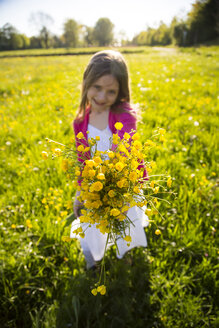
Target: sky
[[128, 16]]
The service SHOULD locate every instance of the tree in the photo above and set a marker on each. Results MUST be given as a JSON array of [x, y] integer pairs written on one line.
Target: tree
[[71, 33], [203, 21], [42, 21], [89, 36], [103, 32]]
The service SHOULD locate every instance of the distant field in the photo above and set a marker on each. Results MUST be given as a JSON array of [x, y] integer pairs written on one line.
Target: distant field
[[172, 283], [66, 51]]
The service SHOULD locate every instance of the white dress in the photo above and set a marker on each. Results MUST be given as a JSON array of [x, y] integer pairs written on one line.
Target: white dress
[[94, 241]]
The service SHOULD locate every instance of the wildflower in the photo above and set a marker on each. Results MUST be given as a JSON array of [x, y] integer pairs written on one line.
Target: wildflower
[[111, 154], [126, 136], [101, 289], [97, 159], [94, 291], [128, 238], [169, 182], [116, 139], [57, 151], [111, 193], [44, 155], [118, 125], [65, 165], [152, 184], [157, 232], [136, 136], [96, 186], [119, 166], [29, 224], [100, 176], [114, 212], [133, 176], [161, 131], [97, 138], [148, 212], [156, 190], [124, 208], [137, 144], [80, 148], [80, 135], [13, 226], [89, 163], [66, 238]]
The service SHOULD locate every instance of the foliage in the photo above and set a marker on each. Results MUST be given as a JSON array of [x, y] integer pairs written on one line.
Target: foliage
[[70, 33], [103, 32], [171, 283]]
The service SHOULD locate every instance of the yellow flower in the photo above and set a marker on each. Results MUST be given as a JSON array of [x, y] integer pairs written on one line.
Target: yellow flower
[[111, 193], [115, 212], [169, 182], [57, 151], [13, 226], [125, 208], [96, 186], [118, 125], [86, 149], [137, 144], [91, 173], [152, 184], [65, 165], [94, 291], [97, 138], [80, 148], [89, 162], [97, 159], [116, 139], [148, 212], [100, 176], [128, 238], [161, 131], [44, 155], [136, 136], [136, 190], [119, 166], [133, 176], [29, 224], [103, 290], [120, 183], [157, 232], [111, 154], [80, 135], [126, 136], [156, 190]]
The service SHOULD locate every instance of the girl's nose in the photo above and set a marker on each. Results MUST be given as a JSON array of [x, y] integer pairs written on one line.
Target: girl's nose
[[102, 96]]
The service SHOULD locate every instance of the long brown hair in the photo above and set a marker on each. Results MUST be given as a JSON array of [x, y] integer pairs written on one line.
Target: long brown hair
[[103, 63]]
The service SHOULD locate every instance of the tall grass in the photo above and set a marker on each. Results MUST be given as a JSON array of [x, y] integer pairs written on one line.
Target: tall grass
[[171, 283]]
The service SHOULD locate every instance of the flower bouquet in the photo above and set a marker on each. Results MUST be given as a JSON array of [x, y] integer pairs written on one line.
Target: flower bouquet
[[112, 182]]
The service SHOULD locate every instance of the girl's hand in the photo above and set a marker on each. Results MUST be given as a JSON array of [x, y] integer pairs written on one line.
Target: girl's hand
[[77, 205]]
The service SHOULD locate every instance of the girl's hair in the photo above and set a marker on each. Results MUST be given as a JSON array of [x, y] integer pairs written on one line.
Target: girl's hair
[[104, 63]]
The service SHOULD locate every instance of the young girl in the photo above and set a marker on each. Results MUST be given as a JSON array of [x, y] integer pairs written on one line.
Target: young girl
[[105, 101]]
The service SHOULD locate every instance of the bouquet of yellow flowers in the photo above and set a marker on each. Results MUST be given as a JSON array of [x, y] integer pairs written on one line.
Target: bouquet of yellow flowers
[[111, 182]]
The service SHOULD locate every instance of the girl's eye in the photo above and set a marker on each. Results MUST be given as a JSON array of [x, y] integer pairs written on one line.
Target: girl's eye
[[97, 87], [112, 92]]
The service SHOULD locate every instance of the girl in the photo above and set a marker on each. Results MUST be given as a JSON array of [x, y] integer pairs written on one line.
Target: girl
[[105, 101]]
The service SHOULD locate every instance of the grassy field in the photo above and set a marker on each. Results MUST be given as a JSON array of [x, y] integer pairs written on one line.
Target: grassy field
[[174, 281]]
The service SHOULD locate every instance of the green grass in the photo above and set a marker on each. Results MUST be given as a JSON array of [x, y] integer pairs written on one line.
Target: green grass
[[171, 283]]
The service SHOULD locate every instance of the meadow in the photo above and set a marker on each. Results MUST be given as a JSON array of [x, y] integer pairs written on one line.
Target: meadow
[[174, 281]]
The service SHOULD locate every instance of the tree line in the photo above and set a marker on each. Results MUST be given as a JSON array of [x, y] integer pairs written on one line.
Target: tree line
[[200, 25]]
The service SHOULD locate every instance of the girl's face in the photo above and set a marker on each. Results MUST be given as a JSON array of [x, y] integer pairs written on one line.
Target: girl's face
[[103, 93]]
